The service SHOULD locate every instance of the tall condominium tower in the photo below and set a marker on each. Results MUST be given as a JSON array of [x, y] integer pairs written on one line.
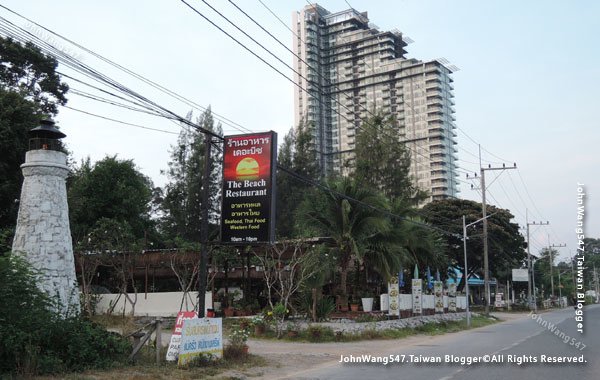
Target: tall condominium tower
[[348, 69]]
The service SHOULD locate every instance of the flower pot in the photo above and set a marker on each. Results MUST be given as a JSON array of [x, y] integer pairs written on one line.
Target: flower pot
[[353, 307], [259, 330], [367, 304], [228, 311], [245, 349]]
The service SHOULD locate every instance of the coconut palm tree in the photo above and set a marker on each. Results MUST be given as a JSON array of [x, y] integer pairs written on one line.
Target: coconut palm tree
[[353, 217]]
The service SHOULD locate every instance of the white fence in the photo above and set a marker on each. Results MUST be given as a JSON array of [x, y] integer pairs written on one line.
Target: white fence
[[405, 301], [169, 303], [152, 304]]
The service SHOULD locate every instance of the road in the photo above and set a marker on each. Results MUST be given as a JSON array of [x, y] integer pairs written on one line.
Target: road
[[532, 342]]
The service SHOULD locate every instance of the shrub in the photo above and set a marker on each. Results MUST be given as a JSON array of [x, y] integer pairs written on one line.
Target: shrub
[[235, 352], [320, 334], [325, 306], [238, 337], [202, 360], [34, 339], [366, 317]]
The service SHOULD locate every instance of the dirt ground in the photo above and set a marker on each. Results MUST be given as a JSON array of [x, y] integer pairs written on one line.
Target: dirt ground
[[290, 360]]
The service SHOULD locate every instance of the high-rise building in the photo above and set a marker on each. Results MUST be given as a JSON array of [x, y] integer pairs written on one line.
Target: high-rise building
[[348, 70]]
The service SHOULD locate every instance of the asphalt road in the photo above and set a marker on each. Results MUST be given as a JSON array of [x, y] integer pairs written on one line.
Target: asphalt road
[[533, 343]]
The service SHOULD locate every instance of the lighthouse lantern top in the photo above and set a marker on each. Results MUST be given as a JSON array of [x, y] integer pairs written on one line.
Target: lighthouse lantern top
[[46, 136]]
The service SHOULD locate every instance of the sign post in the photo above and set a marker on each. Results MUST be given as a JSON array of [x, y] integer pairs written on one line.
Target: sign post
[[417, 295], [393, 293], [200, 336], [173, 350], [452, 297], [248, 200], [438, 291]]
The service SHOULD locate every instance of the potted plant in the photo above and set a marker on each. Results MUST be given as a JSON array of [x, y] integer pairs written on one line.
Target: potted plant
[[238, 339], [341, 300], [354, 303], [260, 325], [367, 300], [228, 310], [292, 330]]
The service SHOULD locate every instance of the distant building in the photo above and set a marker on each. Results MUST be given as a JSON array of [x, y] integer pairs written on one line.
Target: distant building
[[353, 70]]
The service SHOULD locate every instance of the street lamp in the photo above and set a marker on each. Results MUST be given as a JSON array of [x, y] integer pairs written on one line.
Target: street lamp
[[466, 266]]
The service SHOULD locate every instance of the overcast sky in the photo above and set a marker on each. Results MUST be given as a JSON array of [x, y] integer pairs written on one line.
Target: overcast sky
[[527, 89]]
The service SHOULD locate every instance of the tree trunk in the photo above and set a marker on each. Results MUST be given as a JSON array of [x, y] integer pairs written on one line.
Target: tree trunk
[[314, 304], [343, 277]]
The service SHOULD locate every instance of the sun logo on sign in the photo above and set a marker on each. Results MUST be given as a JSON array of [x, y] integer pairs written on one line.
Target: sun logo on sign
[[247, 169]]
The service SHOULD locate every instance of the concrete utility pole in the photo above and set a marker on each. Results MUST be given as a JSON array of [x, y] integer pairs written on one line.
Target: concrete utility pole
[[532, 303], [550, 246], [486, 267], [466, 275], [204, 226], [596, 285]]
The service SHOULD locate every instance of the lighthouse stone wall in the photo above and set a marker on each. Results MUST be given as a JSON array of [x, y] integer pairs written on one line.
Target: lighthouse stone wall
[[43, 235]]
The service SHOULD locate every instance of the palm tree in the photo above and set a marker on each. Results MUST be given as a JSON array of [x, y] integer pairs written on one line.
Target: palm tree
[[410, 241], [423, 244], [354, 217]]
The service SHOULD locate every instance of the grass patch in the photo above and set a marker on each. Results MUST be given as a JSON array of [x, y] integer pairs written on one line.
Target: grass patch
[[146, 368]]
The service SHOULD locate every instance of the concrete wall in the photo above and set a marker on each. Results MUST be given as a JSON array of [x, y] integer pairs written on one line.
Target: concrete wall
[[429, 301], [165, 304], [168, 304]]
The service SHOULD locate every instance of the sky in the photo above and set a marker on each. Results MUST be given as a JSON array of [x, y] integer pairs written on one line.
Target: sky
[[526, 91]]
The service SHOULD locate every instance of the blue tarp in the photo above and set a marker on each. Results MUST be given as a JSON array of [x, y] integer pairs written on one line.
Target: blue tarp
[[474, 280]]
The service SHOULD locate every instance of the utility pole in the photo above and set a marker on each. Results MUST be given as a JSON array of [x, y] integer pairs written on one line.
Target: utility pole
[[530, 267], [596, 285], [204, 226], [550, 246], [466, 275], [486, 267]]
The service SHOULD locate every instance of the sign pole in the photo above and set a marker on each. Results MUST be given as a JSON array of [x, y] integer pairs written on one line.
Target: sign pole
[[204, 227]]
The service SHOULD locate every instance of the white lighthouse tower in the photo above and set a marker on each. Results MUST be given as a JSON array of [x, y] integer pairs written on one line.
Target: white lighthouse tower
[[43, 235]]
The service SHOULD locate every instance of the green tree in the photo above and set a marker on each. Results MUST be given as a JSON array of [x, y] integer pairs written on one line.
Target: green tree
[[31, 73], [342, 215], [182, 202], [113, 189], [34, 339], [592, 260], [506, 246], [17, 117], [383, 162], [296, 154], [29, 88], [542, 272]]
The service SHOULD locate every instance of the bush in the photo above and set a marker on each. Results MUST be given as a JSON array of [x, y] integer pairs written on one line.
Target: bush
[[325, 306], [202, 360], [320, 334], [34, 339], [235, 352], [366, 317]]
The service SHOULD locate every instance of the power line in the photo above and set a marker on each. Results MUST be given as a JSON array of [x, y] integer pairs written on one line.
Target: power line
[[153, 84], [319, 100], [121, 122]]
